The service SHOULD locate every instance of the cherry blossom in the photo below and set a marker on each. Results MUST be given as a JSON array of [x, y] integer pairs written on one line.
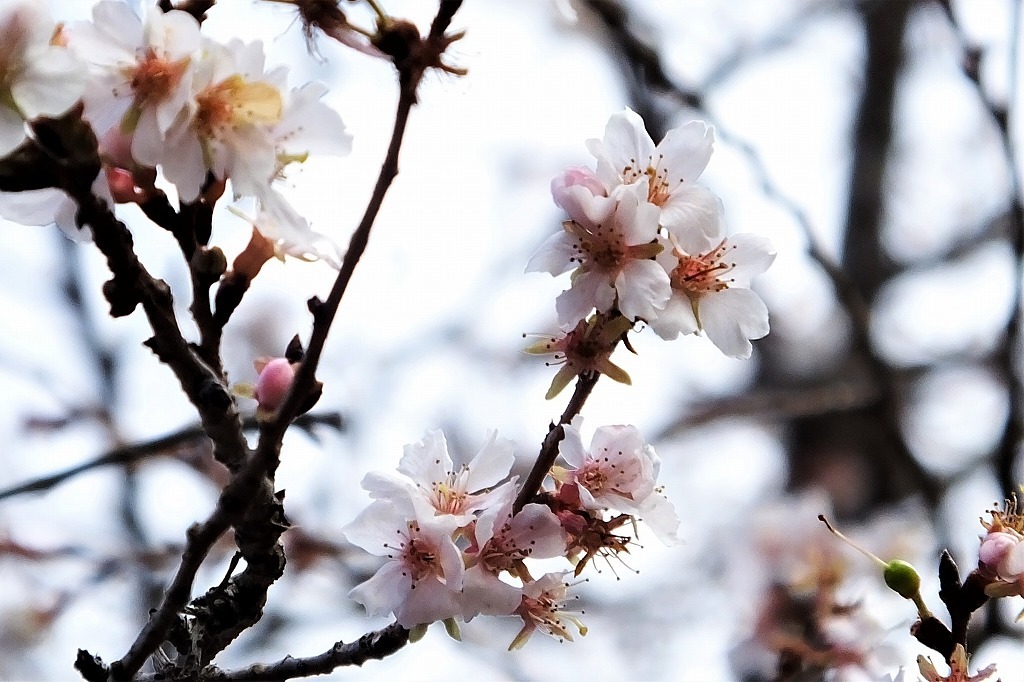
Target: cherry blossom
[[289, 232], [433, 484], [667, 171], [618, 472], [544, 608], [501, 543], [141, 69], [421, 582], [37, 77], [609, 243], [710, 275]]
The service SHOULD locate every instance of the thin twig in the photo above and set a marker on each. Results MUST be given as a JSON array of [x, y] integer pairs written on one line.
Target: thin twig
[[135, 452]]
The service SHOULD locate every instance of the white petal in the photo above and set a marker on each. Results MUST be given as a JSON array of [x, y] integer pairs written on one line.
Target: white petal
[[431, 601], [375, 526], [483, 593], [385, 591], [675, 318], [51, 86], [752, 255], [589, 290], [491, 464], [428, 461], [731, 317], [571, 446], [687, 150], [694, 216], [309, 125], [555, 255], [12, 130], [636, 219], [584, 206], [626, 141], [537, 528], [660, 516], [34, 207], [643, 287]]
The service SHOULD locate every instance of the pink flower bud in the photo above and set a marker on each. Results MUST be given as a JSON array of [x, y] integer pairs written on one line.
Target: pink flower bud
[[273, 384], [576, 176]]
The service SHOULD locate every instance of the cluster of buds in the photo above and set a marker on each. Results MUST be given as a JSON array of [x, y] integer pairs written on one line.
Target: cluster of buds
[[455, 549]]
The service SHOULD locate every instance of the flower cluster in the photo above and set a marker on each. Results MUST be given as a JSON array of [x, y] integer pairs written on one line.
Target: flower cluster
[[456, 548], [160, 95], [644, 241]]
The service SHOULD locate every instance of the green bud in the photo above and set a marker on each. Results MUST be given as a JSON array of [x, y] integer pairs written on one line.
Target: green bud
[[902, 578], [416, 633]]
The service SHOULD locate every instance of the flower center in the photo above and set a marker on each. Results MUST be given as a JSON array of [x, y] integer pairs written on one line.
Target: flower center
[[702, 274], [419, 556], [155, 77], [658, 186], [449, 496], [235, 102]]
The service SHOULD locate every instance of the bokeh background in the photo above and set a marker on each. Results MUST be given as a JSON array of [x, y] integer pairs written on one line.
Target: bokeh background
[[874, 142]]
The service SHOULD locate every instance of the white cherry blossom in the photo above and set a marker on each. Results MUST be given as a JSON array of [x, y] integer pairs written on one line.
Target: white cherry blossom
[[609, 243], [710, 277], [141, 69], [668, 170], [618, 472], [278, 221], [37, 78], [545, 607], [422, 580], [434, 484], [501, 542]]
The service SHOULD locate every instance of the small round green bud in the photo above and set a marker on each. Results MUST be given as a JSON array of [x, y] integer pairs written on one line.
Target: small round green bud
[[902, 578]]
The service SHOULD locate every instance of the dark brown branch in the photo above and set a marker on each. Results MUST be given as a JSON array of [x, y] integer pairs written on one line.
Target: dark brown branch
[[371, 646], [549, 448]]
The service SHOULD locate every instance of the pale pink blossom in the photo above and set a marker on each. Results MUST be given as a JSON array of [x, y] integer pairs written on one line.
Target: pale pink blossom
[[501, 543], [958, 670], [421, 582], [141, 69], [1001, 560], [290, 233], [609, 243], [667, 171], [710, 277], [618, 472], [433, 483]]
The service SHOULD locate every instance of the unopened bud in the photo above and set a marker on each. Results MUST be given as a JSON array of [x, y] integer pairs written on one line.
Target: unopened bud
[[902, 578]]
